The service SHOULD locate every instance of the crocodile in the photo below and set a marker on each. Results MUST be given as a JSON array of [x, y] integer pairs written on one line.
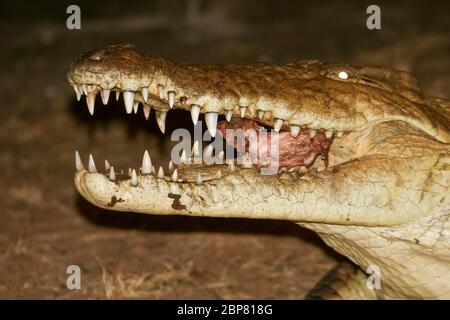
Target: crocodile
[[365, 154]]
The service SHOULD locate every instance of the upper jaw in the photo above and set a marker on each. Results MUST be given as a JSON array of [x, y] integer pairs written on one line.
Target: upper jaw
[[158, 83]]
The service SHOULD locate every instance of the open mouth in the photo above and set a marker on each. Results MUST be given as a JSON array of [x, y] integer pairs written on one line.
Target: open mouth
[[260, 141]]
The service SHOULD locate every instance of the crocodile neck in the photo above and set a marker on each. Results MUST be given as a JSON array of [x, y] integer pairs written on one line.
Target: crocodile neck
[[413, 259]]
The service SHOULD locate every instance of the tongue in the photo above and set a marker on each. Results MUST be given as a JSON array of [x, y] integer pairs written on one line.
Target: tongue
[[261, 144]]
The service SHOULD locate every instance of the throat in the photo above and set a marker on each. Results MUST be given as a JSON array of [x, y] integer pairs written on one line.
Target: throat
[[269, 148]]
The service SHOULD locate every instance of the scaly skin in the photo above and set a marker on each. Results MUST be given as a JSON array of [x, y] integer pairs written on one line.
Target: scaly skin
[[384, 198]]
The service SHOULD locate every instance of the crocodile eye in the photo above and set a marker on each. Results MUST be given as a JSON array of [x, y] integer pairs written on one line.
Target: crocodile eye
[[343, 75]]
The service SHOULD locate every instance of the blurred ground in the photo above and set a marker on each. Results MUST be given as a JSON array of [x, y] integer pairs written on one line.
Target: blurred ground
[[45, 226]]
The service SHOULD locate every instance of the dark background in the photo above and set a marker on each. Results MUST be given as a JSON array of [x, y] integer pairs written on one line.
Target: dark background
[[45, 226]]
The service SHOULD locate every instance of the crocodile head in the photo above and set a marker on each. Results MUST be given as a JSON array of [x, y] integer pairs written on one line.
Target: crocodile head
[[358, 146]]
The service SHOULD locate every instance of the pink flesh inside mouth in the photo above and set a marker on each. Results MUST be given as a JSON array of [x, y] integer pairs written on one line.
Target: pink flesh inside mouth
[[293, 151]]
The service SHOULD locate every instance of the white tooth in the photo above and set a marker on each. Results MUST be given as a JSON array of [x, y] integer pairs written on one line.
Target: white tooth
[[220, 157], [340, 134], [175, 175], [243, 111], [316, 123], [161, 91], [303, 169], [107, 165], [229, 115], [104, 93], [112, 175], [160, 173], [171, 166], [183, 158], [90, 100], [199, 179], [195, 111], [231, 167], [147, 109], [247, 161], [77, 91], [208, 152], [145, 93], [295, 130], [153, 170], [211, 122], [134, 181], [196, 148], [218, 174], [261, 114], [128, 99], [136, 107], [117, 95], [171, 95], [277, 125], [78, 163], [161, 120], [312, 133], [91, 164], [146, 163], [84, 88], [328, 134], [129, 172]]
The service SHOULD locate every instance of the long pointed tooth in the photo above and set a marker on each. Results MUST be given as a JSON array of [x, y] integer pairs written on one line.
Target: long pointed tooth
[[229, 115], [117, 95], [144, 91], [112, 175], [153, 170], [261, 114], [146, 163], [175, 175], [199, 179], [78, 92], [221, 156], [195, 112], [295, 130], [312, 133], [161, 91], [243, 111], [104, 93], [211, 122], [128, 99], [133, 180], [107, 165], [136, 107], [78, 163], [160, 173], [196, 148], [277, 125], [328, 134], [183, 158], [90, 100], [247, 161], [171, 166], [147, 109], [84, 88], [171, 95], [340, 134], [161, 120], [208, 152], [91, 164]]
